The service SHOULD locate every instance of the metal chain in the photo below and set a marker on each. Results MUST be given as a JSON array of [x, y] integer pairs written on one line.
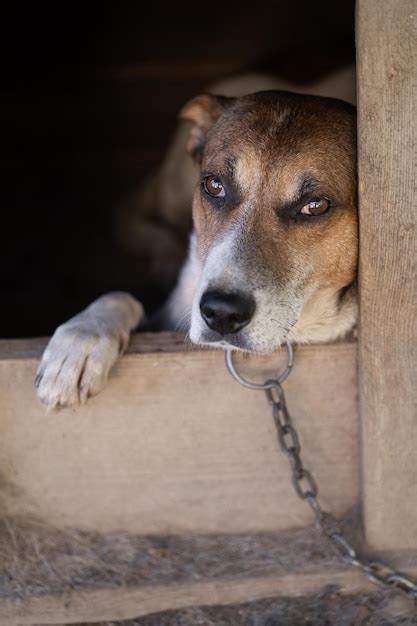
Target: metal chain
[[306, 487]]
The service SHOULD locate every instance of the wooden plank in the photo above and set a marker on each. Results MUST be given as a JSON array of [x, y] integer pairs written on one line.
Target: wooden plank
[[387, 74], [140, 343], [174, 445], [129, 603], [37, 559], [66, 577]]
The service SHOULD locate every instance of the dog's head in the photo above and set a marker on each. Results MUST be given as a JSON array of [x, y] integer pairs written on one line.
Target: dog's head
[[275, 218]]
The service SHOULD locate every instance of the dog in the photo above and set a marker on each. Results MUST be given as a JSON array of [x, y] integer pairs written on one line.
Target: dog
[[274, 247]]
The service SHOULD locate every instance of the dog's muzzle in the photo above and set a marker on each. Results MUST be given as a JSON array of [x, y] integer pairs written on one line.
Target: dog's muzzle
[[226, 313]]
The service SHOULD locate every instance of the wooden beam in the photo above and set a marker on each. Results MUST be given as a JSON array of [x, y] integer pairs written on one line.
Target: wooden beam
[[174, 444], [387, 96]]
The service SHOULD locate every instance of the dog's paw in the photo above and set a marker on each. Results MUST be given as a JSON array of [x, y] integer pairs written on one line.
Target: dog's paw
[[77, 362]]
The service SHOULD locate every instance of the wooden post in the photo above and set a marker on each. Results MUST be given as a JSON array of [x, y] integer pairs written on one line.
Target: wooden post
[[387, 94]]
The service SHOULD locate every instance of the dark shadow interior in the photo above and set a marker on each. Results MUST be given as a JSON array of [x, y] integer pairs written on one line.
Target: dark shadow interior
[[89, 94]]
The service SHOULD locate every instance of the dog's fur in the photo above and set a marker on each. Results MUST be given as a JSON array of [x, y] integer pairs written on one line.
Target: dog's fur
[[274, 152]]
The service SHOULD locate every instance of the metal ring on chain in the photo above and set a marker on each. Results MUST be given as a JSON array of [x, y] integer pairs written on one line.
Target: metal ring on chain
[[306, 487], [269, 384]]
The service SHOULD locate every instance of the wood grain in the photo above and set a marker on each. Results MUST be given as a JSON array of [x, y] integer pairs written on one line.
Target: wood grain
[[387, 75], [174, 445]]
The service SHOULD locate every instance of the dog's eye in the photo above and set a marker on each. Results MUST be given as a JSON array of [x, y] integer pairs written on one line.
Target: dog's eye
[[316, 207], [213, 186]]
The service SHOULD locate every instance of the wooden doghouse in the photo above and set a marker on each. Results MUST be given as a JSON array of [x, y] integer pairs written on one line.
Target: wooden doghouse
[[177, 464]]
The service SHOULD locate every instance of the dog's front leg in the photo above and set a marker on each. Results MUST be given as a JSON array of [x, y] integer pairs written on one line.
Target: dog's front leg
[[82, 351]]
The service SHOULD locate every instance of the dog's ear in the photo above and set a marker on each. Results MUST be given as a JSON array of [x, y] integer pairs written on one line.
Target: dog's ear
[[203, 111]]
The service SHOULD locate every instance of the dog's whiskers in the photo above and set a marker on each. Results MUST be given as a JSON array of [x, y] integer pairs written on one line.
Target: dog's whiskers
[[187, 340], [183, 322]]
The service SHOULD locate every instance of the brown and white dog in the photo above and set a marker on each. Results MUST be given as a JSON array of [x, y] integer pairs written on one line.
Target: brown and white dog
[[273, 253]]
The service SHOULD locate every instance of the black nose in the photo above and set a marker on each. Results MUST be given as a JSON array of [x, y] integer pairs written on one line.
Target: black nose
[[226, 312]]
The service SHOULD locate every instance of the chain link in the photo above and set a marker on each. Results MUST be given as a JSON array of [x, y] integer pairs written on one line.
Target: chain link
[[306, 488]]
